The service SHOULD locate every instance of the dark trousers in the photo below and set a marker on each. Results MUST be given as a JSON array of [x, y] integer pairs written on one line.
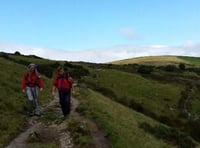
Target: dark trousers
[[65, 100]]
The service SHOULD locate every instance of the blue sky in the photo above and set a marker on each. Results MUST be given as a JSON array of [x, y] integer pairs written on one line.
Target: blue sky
[[100, 30]]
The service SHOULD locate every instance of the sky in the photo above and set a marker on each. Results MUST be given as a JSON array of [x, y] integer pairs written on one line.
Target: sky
[[100, 30]]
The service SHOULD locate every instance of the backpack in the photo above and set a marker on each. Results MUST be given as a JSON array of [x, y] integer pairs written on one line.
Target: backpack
[[34, 81], [63, 82]]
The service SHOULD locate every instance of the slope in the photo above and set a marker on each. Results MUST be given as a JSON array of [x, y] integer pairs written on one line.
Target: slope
[[160, 60], [169, 97], [131, 108], [13, 103]]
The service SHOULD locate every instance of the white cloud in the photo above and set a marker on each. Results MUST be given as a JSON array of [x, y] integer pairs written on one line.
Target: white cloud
[[106, 54], [128, 33], [190, 44]]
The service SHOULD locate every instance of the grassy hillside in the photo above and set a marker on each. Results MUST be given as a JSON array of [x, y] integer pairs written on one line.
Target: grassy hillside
[[127, 128], [133, 88], [13, 103], [191, 60], [160, 60], [136, 106], [167, 94], [121, 124]]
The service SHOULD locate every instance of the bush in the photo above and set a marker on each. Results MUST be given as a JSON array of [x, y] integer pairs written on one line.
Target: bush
[[4, 55], [17, 53], [144, 69], [181, 66], [170, 68], [194, 127]]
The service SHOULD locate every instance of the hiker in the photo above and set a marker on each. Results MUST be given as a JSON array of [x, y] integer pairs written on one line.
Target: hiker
[[64, 84], [31, 84]]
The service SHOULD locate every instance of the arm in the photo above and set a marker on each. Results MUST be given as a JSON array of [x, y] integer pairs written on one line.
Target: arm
[[53, 91], [70, 79], [54, 87], [72, 89], [24, 83], [41, 84], [40, 81]]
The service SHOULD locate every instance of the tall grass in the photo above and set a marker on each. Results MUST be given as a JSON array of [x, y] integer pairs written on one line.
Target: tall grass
[[120, 124]]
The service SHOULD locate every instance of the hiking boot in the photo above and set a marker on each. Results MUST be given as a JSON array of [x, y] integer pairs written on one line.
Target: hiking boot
[[31, 113], [38, 111]]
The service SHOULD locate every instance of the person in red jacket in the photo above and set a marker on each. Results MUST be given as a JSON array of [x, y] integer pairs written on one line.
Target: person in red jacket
[[64, 84], [31, 84]]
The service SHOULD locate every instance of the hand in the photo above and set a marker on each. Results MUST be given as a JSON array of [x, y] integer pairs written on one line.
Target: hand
[[23, 90], [41, 89], [73, 92], [53, 93]]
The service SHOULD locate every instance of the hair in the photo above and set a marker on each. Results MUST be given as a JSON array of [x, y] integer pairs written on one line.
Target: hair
[[60, 68], [35, 69], [30, 65]]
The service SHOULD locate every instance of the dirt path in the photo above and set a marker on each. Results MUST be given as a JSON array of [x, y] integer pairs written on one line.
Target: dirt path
[[54, 131], [98, 136], [44, 133]]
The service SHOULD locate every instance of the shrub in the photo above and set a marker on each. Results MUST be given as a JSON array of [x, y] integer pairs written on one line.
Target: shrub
[[194, 127], [181, 66], [170, 68], [4, 55], [17, 53], [144, 69]]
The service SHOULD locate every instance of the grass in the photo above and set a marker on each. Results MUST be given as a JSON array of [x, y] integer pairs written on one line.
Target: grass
[[13, 103], [31, 59], [195, 105], [120, 124], [128, 88], [37, 145], [80, 132], [191, 60], [153, 60]]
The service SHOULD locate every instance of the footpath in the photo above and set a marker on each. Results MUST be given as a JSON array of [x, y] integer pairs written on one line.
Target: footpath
[[55, 131]]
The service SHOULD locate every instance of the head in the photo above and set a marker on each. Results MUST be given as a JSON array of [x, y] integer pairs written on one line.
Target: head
[[61, 70], [31, 67]]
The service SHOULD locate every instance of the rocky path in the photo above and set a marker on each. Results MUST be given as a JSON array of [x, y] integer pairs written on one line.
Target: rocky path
[[55, 131], [45, 133]]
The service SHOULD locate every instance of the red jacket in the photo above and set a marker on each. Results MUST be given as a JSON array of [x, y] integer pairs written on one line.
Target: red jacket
[[63, 82], [32, 80]]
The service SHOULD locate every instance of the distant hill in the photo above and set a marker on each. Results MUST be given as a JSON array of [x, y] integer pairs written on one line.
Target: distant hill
[[159, 60]]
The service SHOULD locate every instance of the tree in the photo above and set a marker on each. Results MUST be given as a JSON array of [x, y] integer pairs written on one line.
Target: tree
[[17, 53], [182, 66]]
